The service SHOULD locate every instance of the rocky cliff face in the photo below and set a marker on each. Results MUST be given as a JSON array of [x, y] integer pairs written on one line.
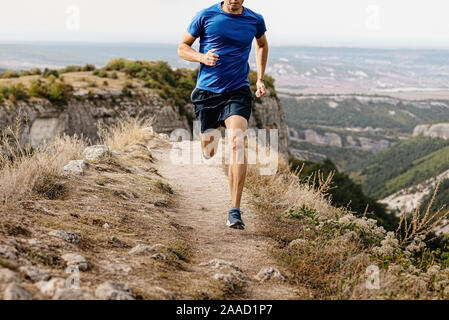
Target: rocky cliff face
[[85, 111], [439, 130]]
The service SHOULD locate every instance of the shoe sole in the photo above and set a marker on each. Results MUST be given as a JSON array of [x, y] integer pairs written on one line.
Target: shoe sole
[[235, 225]]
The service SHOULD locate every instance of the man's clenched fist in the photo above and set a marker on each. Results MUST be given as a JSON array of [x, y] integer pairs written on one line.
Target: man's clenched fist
[[261, 90], [210, 58]]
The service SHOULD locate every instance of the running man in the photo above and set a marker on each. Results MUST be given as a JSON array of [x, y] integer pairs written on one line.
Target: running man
[[222, 96]]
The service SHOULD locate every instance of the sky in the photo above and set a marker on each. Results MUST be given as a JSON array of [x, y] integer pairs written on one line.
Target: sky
[[363, 23]]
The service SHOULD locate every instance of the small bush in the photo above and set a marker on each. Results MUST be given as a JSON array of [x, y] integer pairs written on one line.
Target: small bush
[[48, 186], [9, 74], [88, 67], [128, 84], [48, 72]]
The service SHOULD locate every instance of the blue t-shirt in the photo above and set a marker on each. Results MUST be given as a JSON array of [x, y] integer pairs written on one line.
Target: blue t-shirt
[[232, 36]]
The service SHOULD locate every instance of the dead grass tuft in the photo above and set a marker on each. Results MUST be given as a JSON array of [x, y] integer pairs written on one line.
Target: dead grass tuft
[[126, 132]]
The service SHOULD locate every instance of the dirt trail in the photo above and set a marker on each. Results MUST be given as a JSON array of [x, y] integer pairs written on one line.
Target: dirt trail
[[202, 201]]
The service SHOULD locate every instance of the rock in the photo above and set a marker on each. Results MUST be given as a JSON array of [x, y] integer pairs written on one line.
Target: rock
[[49, 287], [297, 243], [8, 252], [34, 273], [114, 291], [74, 259], [8, 276], [117, 243], [94, 153], [106, 226], [240, 276], [118, 267], [269, 273], [164, 136], [115, 152], [218, 264], [66, 236], [141, 249], [159, 256], [76, 166], [72, 294], [15, 291], [226, 279]]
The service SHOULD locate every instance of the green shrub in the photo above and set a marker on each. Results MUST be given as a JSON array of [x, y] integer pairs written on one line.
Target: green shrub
[[1, 98], [18, 91], [59, 92], [88, 67], [38, 89], [9, 74], [48, 72], [128, 84], [114, 75], [70, 69], [115, 64]]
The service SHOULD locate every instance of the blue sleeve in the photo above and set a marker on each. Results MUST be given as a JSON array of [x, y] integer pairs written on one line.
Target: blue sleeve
[[196, 26], [261, 28]]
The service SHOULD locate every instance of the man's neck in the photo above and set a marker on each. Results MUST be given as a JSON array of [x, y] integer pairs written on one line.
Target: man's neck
[[225, 9]]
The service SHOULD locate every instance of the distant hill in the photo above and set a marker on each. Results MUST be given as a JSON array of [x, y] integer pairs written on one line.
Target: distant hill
[[402, 165], [345, 128]]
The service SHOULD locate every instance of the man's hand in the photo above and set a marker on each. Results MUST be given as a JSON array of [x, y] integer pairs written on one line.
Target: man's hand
[[210, 58], [261, 90]]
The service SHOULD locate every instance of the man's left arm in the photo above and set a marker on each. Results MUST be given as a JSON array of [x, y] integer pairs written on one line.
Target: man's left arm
[[261, 61]]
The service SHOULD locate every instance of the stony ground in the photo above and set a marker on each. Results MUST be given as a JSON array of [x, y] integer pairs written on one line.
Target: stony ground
[[136, 225]]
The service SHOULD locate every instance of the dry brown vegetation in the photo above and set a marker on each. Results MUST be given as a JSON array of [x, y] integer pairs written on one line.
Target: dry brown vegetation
[[329, 249], [118, 203]]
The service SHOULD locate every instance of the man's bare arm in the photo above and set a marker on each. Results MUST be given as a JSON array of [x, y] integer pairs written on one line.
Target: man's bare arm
[[261, 61], [261, 56], [186, 51]]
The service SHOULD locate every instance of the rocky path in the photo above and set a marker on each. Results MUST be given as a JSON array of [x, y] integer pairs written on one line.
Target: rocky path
[[202, 200]]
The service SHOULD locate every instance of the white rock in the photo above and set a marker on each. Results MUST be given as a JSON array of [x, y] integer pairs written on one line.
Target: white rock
[[15, 291], [76, 166], [118, 267], [96, 152], [66, 236], [114, 291], [269, 273], [49, 287], [218, 264], [297, 243], [8, 252], [141, 249], [34, 273], [159, 256], [106, 226], [164, 136], [227, 279], [74, 259], [72, 294]]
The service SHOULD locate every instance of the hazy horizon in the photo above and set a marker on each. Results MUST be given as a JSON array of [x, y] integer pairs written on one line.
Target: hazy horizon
[[350, 23]]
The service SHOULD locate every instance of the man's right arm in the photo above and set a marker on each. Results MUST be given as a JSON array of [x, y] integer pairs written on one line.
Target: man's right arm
[[186, 51]]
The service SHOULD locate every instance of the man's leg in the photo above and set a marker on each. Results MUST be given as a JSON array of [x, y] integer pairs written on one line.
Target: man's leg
[[236, 126], [209, 141]]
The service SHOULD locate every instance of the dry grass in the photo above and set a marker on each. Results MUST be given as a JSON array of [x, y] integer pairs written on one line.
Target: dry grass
[[327, 249], [25, 172], [421, 225], [124, 133]]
